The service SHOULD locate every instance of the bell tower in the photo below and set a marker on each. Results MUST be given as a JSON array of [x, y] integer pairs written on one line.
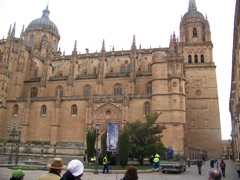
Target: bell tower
[[202, 106]]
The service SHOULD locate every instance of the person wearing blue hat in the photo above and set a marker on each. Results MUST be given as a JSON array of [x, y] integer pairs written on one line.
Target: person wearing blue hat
[[17, 175]]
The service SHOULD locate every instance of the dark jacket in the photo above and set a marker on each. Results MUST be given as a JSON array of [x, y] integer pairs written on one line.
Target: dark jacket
[[199, 164], [68, 176]]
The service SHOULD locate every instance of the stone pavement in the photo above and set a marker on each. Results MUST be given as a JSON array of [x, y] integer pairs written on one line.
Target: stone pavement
[[190, 174]]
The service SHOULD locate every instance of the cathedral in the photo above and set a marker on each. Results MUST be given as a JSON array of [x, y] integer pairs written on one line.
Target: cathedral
[[58, 98]]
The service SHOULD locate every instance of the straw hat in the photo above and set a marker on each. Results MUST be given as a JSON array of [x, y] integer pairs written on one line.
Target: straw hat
[[56, 163]]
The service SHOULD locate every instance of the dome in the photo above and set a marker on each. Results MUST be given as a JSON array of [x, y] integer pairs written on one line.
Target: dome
[[43, 23], [193, 14]]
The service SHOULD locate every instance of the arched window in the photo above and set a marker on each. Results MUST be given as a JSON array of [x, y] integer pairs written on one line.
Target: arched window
[[194, 32], [118, 90], [149, 67], [44, 38], [202, 58], [189, 58], [33, 92], [54, 45], [195, 58], [147, 108], [122, 68], [59, 91], [15, 110], [149, 88], [74, 110], [31, 40], [95, 71], [43, 110], [86, 91]]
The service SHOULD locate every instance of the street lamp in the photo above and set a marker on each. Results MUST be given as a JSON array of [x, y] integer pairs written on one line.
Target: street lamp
[[14, 133], [96, 164]]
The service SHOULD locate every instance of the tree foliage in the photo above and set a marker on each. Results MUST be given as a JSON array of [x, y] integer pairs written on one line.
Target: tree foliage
[[91, 139], [104, 144], [145, 138], [123, 147]]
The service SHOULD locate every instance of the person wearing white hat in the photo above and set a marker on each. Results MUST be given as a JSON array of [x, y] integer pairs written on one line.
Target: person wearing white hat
[[55, 167], [74, 170]]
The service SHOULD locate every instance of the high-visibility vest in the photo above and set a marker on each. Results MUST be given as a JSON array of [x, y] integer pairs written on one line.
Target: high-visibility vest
[[105, 160], [156, 159]]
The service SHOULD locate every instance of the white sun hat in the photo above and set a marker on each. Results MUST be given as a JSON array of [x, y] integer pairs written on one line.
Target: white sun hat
[[75, 167]]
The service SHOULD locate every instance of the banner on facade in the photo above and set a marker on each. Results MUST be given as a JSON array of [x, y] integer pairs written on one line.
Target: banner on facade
[[112, 136]]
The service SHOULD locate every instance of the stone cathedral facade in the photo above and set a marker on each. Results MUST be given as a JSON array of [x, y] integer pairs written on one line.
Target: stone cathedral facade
[[57, 98]]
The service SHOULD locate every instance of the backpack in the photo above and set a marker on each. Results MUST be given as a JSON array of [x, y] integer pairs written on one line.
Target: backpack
[[222, 165]]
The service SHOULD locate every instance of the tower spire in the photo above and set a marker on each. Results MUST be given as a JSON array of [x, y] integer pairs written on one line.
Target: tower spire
[[46, 13], [103, 52], [192, 5]]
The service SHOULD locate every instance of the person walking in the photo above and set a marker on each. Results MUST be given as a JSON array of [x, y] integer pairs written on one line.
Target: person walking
[[17, 175], [199, 166], [55, 167], [105, 164], [216, 164], [74, 170], [156, 162], [237, 167], [131, 174], [212, 163], [223, 166]]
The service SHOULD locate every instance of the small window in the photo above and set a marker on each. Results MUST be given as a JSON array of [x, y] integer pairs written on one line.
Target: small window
[[196, 59], [194, 32], [86, 91], [95, 71], [147, 108], [202, 58], [15, 110], [74, 110], [122, 68], [31, 40], [33, 92], [54, 45], [149, 67], [43, 110], [189, 59], [59, 91], [117, 90], [149, 88]]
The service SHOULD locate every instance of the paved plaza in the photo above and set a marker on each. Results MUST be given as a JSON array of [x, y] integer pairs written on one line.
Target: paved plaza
[[190, 174]]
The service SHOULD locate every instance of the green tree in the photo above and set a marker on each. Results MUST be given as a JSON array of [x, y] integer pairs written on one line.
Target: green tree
[[145, 137], [123, 147], [91, 139], [104, 144]]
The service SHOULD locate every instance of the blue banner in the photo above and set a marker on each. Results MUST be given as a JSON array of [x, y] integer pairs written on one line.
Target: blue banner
[[112, 136]]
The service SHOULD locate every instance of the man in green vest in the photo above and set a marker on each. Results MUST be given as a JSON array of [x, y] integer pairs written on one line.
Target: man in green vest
[[105, 164], [156, 162]]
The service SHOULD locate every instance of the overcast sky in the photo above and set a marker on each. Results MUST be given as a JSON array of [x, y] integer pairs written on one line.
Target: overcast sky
[[116, 21]]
